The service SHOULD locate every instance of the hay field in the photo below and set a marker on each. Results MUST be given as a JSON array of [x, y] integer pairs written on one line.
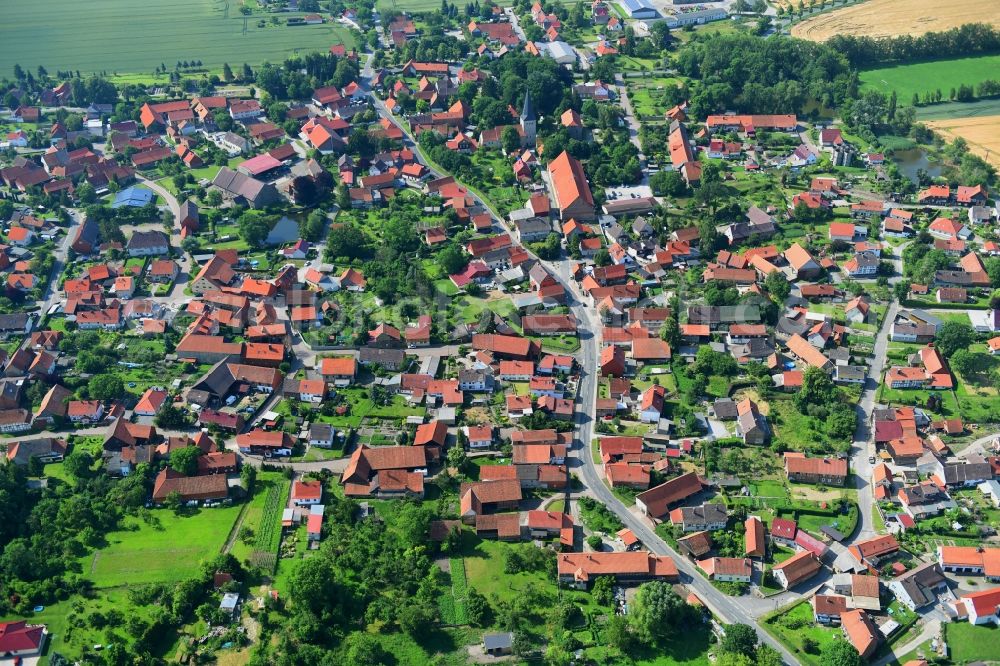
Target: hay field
[[890, 18], [136, 37], [982, 134]]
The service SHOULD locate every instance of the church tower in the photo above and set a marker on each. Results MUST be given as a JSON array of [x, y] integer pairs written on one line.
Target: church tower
[[528, 119]]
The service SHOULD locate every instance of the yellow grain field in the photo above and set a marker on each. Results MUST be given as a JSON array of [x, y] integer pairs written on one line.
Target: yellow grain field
[[982, 134], [889, 18]]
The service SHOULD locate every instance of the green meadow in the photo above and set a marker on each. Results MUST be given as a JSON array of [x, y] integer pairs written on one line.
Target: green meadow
[[924, 77], [165, 550], [115, 36]]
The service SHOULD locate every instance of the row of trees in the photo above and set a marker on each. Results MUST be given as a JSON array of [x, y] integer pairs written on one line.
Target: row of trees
[[965, 41]]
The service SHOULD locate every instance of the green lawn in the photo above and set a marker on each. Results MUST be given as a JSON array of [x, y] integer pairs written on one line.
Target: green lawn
[[924, 77], [792, 626], [971, 643], [106, 36], [166, 550]]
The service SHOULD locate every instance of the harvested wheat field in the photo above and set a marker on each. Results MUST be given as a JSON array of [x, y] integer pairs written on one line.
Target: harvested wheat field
[[982, 134], [889, 18]]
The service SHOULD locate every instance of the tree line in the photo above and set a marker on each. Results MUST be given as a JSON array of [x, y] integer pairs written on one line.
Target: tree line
[[972, 39]]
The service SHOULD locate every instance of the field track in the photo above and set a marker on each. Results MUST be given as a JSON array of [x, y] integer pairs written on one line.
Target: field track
[[890, 18], [982, 134], [136, 37]]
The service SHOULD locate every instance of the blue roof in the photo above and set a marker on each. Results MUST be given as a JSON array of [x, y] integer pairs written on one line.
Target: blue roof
[[133, 196], [633, 6]]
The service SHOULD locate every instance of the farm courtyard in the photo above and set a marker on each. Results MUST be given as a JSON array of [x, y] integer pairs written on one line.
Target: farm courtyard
[[111, 36]]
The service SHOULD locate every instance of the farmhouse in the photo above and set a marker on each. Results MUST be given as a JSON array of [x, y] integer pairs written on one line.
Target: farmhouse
[[579, 569]]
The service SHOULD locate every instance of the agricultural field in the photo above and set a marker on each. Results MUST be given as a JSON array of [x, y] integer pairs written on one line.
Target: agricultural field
[[981, 133], [166, 549], [918, 78], [890, 18], [106, 36]]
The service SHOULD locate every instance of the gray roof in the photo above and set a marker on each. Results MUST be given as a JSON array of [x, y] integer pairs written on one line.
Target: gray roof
[[706, 513], [323, 431], [143, 240], [920, 583], [527, 111], [238, 184], [381, 356], [725, 409], [498, 641], [967, 472], [16, 321]]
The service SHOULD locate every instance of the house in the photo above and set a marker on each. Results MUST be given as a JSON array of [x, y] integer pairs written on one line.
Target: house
[[571, 189], [970, 560], [707, 517], [783, 531], [307, 493], [265, 443], [148, 244], [919, 587], [801, 349], [751, 425], [799, 567], [150, 402], [924, 500], [861, 631], [827, 471], [20, 640], [322, 435], [949, 229], [197, 489], [488, 497], [85, 411], [827, 608], [242, 188], [656, 501], [580, 569], [982, 607], [875, 551], [498, 645], [802, 263], [385, 472], [727, 569], [43, 449]]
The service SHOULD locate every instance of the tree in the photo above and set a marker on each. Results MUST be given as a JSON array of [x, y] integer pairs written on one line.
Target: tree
[[363, 649], [954, 335], [840, 653], [105, 387], [456, 457], [171, 417], [248, 477], [733, 659], [478, 608], [78, 464], [213, 198], [254, 226], [603, 590], [658, 613], [416, 616], [967, 363], [510, 139], [777, 285], [740, 639], [452, 260], [616, 633], [602, 258], [767, 656], [185, 461]]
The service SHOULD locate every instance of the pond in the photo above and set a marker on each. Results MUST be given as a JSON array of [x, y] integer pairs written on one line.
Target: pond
[[912, 160]]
